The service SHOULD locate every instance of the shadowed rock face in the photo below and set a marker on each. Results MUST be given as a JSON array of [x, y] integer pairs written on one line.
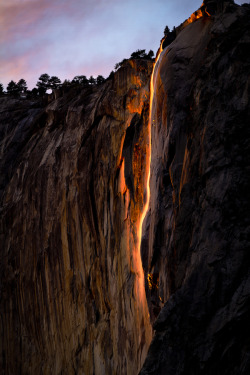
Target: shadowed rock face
[[196, 240], [72, 177]]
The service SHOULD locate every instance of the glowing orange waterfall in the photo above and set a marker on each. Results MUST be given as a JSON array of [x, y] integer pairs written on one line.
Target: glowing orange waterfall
[[152, 84], [148, 162]]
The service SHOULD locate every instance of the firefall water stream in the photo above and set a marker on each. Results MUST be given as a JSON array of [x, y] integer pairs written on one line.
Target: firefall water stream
[[151, 122]]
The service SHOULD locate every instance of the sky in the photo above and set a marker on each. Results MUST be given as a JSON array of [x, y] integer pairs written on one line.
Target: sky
[[66, 38]]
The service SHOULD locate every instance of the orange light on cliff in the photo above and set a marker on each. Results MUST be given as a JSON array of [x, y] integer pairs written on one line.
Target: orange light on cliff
[[195, 16], [201, 12], [153, 282]]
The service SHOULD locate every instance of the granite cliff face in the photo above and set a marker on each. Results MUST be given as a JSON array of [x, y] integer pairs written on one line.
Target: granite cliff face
[[72, 184], [73, 190], [196, 238]]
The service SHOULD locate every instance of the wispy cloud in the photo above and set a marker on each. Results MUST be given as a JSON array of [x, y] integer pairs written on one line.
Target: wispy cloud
[[61, 36], [37, 34]]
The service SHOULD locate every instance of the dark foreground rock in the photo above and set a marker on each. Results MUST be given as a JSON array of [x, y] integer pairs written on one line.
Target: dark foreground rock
[[198, 237]]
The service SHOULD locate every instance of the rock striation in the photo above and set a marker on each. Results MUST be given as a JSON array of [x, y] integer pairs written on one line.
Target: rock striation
[[196, 236], [72, 192]]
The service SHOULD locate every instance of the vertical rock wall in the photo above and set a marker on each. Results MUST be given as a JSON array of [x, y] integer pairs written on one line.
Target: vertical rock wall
[[73, 178], [197, 234]]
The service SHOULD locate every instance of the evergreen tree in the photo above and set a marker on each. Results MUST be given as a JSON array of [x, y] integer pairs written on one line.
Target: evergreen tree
[[80, 80], [12, 88], [1, 89], [34, 92], [138, 54], [22, 86], [92, 80], [54, 82], [100, 79], [150, 54], [166, 31], [43, 83], [66, 83]]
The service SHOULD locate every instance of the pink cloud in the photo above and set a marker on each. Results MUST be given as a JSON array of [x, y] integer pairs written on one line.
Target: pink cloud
[[21, 68], [31, 34], [23, 19], [71, 37], [17, 18]]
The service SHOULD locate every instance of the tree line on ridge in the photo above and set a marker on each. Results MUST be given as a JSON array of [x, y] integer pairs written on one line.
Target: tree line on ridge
[[45, 82]]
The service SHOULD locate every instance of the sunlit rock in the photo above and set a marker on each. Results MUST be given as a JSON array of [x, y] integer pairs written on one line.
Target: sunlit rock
[[73, 178]]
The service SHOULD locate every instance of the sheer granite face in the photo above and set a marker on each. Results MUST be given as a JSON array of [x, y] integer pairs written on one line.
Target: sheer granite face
[[73, 180], [198, 231]]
